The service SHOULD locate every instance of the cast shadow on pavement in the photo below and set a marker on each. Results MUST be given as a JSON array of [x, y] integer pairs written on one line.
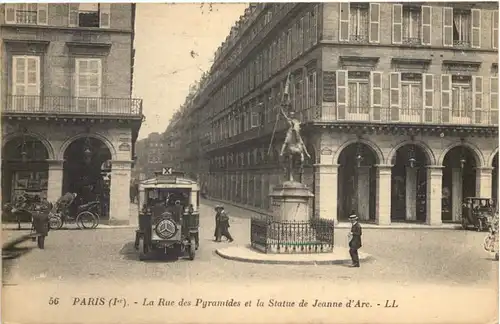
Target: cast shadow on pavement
[[129, 252]]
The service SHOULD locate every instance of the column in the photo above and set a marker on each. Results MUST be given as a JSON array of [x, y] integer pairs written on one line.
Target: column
[[362, 199], [456, 193], [119, 211], [326, 179], [55, 181], [411, 194], [383, 195], [434, 194], [484, 178]]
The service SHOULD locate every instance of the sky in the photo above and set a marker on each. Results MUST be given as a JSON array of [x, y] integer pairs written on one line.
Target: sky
[[165, 36]]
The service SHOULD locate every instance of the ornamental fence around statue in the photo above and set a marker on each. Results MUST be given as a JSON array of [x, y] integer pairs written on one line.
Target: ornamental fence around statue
[[271, 236]]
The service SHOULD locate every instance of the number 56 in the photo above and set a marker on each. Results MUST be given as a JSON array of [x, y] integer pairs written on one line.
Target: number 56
[[53, 301]]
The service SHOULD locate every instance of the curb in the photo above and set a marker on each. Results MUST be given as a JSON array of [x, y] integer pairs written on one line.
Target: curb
[[343, 225], [27, 228], [290, 262]]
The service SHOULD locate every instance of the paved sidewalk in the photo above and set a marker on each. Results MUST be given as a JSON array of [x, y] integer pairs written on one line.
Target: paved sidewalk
[[241, 211]]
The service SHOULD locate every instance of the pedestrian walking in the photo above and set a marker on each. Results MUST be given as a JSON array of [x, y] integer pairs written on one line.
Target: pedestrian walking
[[222, 224], [354, 240]]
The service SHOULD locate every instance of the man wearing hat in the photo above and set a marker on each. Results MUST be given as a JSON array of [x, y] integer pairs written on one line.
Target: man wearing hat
[[354, 240], [222, 224]]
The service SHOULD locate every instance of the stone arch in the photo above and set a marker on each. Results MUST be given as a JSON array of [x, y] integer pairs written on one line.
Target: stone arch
[[492, 157], [379, 156], [98, 136], [42, 139], [478, 156], [431, 158]]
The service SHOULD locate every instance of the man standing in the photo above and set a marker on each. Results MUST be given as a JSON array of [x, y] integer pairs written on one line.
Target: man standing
[[354, 240]]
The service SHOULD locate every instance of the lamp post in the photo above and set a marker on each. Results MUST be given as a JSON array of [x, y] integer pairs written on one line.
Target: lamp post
[[359, 159], [24, 154]]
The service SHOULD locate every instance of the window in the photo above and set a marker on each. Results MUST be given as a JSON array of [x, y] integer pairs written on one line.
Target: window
[[358, 23], [26, 82], [26, 13], [359, 92], [89, 15], [494, 100], [411, 25], [411, 95], [289, 46], [314, 26], [300, 36], [461, 28], [461, 96], [88, 74], [297, 93]]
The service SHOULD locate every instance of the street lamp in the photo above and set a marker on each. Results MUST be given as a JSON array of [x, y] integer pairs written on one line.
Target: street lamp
[[24, 154], [87, 152], [412, 159], [463, 161]]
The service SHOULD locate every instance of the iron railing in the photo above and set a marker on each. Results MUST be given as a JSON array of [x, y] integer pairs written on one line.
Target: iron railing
[[401, 116], [50, 105], [412, 41], [461, 43], [313, 236]]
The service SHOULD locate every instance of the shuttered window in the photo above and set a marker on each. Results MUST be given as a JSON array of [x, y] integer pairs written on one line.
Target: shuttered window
[[428, 85], [397, 24], [341, 82], [345, 17], [376, 94], [476, 28], [477, 98], [26, 82], [88, 82], [314, 25], [89, 15], [494, 100], [395, 95], [447, 26], [426, 25], [27, 13]]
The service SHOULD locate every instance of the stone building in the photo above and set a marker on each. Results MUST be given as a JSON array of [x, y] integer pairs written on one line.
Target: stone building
[[399, 103], [150, 156], [68, 117]]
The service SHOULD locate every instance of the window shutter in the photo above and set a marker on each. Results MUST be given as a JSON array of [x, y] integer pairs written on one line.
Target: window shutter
[[428, 102], [446, 97], [395, 95], [477, 98], [306, 32], [18, 75], [341, 82], [397, 24], [376, 94], [494, 100], [344, 21], [494, 32], [426, 26], [476, 28], [10, 13], [104, 15], [42, 13], [314, 25], [255, 119], [314, 90], [73, 14], [447, 26], [33, 76], [374, 32]]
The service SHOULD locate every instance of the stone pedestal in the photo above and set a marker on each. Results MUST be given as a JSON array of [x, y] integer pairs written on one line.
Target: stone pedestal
[[290, 201], [326, 179]]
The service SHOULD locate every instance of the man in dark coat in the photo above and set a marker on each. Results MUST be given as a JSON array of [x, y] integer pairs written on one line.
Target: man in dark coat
[[223, 225], [217, 223], [354, 240]]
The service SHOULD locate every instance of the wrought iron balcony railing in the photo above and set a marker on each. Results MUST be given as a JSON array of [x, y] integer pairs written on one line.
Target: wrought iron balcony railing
[[412, 41], [358, 38], [51, 105], [461, 43], [385, 115]]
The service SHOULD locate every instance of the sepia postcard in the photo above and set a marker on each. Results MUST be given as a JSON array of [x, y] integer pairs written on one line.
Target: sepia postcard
[[270, 162]]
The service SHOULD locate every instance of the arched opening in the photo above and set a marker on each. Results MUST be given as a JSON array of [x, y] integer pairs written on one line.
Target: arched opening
[[494, 180], [87, 172], [357, 182], [409, 184], [459, 181], [24, 168]]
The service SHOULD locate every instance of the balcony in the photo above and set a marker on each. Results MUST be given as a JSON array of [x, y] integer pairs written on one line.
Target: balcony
[[384, 115], [71, 106]]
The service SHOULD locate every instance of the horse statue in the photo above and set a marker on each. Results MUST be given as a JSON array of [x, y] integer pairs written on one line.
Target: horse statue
[[293, 145]]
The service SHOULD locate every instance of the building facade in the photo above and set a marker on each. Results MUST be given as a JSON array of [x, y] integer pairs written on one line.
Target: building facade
[[399, 103], [69, 122], [150, 157]]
